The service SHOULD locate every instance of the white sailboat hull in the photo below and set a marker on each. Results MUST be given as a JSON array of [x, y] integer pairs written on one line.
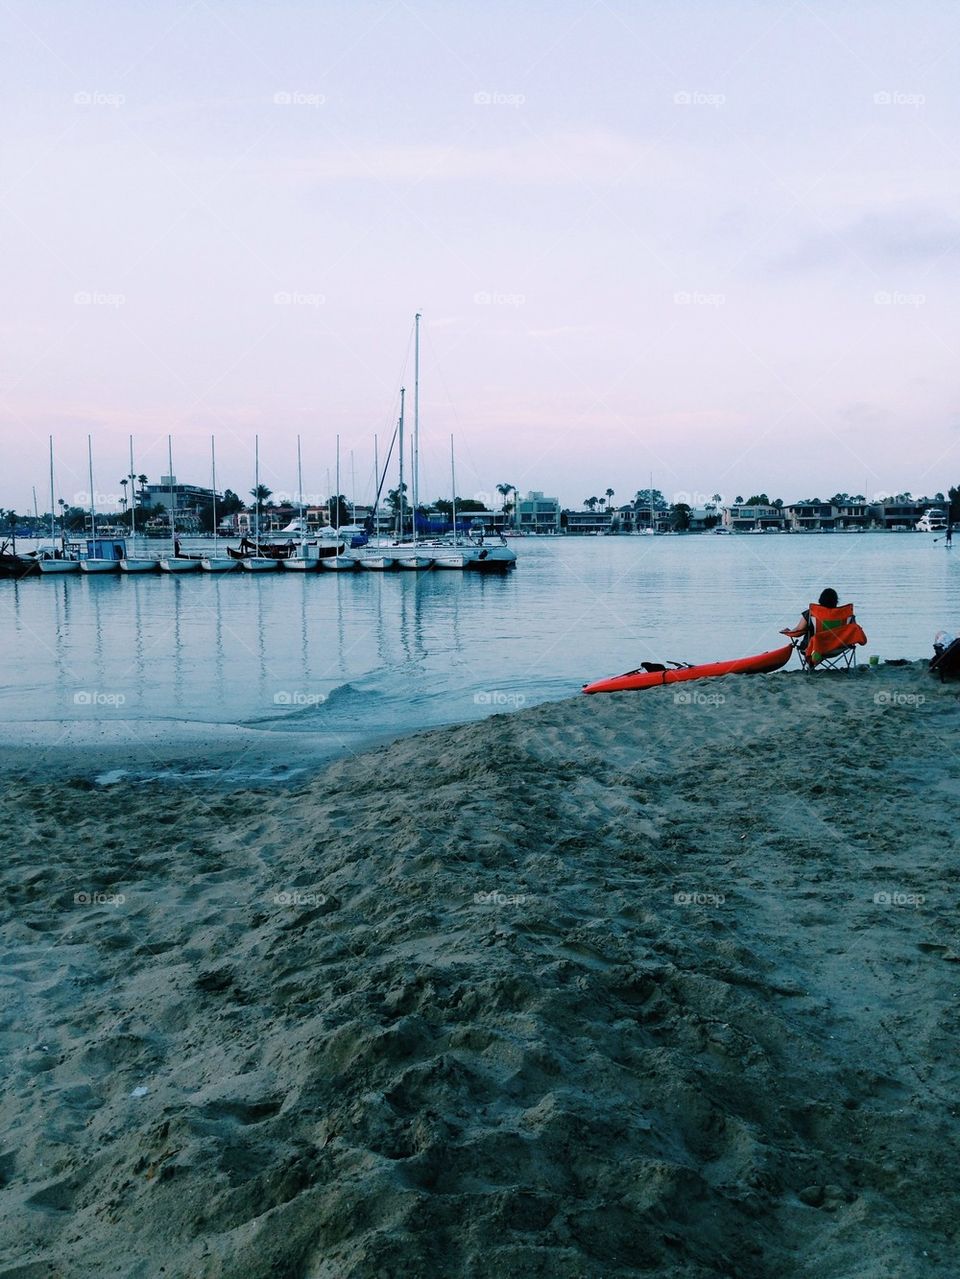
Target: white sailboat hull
[[378, 563], [219, 565], [298, 565], [59, 566], [99, 566], [340, 564], [415, 562], [179, 566], [252, 565], [138, 566]]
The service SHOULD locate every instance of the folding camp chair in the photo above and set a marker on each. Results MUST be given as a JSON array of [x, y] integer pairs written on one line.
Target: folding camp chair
[[832, 636]]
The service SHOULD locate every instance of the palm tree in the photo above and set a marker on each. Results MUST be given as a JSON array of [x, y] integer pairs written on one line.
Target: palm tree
[[260, 495], [609, 496], [591, 503]]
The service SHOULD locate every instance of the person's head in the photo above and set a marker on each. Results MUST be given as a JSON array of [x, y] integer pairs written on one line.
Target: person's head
[[829, 598]]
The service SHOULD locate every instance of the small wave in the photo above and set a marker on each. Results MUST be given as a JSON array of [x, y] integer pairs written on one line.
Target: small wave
[[298, 707]]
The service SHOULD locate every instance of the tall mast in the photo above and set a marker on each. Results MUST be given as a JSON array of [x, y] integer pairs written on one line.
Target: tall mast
[[53, 528], [213, 481], [376, 490], [173, 500], [336, 496], [353, 491], [400, 490], [256, 491], [133, 495], [36, 512], [453, 492], [416, 425], [93, 511], [300, 491]]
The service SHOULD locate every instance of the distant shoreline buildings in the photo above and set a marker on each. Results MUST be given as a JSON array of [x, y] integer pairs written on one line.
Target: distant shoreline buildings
[[534, 513]]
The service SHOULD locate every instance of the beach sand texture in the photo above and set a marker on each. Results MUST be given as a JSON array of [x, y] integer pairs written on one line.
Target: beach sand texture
[[683, 1038]]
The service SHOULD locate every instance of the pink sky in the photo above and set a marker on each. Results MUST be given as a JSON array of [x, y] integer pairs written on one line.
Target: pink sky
[[715, 242]]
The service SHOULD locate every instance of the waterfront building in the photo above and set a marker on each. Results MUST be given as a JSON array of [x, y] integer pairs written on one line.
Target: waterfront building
[[587, 522], [538, 514], [741, 518]]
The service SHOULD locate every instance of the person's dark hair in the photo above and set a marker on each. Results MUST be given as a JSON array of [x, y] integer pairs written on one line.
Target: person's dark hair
[[829, 598]]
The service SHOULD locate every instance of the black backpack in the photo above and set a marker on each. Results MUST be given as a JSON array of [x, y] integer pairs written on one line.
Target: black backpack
[[946, 660]]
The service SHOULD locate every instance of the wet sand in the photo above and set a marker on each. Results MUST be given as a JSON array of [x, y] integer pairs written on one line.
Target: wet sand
[[659, 983]]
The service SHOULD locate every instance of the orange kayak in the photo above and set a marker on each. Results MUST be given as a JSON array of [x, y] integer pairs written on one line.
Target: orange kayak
[[761, 664]]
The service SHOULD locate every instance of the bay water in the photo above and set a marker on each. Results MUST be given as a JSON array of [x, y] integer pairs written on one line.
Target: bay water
[[354, 657]]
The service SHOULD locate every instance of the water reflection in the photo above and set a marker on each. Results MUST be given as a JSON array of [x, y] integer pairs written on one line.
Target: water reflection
[[416, 647]]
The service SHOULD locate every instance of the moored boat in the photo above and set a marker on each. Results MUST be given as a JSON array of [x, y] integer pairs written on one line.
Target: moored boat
[[259, 564], [179, 564], [218, 564]]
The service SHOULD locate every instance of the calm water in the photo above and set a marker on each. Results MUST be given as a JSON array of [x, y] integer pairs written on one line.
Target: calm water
[[370, 653]]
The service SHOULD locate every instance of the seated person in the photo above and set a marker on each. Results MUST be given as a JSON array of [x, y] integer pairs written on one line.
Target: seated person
[[828, 599]]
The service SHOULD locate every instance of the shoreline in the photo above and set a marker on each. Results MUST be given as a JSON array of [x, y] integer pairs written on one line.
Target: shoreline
[[612, 984]]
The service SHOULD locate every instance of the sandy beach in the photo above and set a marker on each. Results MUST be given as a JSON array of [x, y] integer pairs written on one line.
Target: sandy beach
[[661, 983]]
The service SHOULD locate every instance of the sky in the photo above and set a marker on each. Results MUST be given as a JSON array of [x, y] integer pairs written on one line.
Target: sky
[[715, 244]]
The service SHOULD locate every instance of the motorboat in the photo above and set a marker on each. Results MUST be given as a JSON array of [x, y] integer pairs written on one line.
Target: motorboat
[[933, 520]]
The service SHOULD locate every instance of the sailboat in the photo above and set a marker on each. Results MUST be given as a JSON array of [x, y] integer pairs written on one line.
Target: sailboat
[[103, 554], [407, 555], [258, 563], [56, 562], [457, 552], [175, 563], [375, 560], [216, 563], [307, 557], [339, 563], [128, 565]]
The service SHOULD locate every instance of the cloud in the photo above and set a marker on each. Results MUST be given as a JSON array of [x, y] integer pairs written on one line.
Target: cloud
[[877, 241]]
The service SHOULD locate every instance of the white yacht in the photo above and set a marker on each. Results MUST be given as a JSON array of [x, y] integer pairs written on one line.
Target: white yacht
[[932, 520]]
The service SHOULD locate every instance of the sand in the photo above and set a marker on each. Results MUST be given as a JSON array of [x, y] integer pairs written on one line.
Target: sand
[[656, 983]]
